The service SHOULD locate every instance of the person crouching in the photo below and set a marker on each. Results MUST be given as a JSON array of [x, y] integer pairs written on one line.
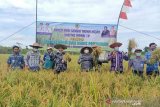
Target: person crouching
[[86, 59]]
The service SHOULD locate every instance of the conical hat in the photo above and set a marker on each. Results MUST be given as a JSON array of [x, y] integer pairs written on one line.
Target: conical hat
[[89, 48]]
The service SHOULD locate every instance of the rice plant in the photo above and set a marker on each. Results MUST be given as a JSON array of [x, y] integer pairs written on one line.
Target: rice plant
[[74, 88]]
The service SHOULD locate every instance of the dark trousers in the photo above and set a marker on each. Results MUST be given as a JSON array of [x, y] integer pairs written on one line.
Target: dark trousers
[[34, 69], [155, 73], [117, 72], [139, 73]]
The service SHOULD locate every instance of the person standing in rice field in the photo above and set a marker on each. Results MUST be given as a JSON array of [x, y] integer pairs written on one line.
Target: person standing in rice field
[[15, 60], [48, 59], [33, 58], [151, 68], [96, 53], [137, 63], [86, 59], [116, 57], [61, 58]]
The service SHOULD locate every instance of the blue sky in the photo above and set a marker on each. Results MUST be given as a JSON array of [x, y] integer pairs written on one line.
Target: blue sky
[[144, 16]]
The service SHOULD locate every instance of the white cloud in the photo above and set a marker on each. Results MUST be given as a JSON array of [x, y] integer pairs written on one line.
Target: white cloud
[[82, 11], [143, 16], [23, 4]]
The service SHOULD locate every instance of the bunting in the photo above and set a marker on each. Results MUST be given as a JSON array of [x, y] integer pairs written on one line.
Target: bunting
[[125, 8]]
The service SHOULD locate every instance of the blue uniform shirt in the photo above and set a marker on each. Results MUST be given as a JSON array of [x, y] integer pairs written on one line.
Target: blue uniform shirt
[[151, 67], [16, 61], [137, 63], [48, 60]]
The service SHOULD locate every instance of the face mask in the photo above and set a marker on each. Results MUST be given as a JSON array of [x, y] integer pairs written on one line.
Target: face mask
[[138, 54], [49, 51], [35, 49], [116, 48], [86, 51]]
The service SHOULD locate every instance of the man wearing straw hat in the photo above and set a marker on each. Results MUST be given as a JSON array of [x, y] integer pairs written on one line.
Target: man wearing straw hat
[[49, 59], [15, 60], [137, 63], [86, 59], [33, 58], [116, 57], [61, 58]]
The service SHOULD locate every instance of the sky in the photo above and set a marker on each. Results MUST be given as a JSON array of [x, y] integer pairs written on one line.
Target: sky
[[144, 16]]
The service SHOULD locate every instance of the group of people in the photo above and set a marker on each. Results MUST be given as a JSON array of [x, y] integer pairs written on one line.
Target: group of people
[[116, 57], [138, 62], [32, 60], [88, 60]]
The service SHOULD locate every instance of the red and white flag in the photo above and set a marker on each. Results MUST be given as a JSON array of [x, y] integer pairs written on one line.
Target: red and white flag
[[127, 3], [123, 15], [125, 9]]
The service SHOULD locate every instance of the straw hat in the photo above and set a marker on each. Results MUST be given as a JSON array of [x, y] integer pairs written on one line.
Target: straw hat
[[49, 48], [37, 45], [116, 44], [138, 50]]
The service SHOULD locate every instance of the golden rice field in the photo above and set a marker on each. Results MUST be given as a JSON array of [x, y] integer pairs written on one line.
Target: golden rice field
[[76, 89]]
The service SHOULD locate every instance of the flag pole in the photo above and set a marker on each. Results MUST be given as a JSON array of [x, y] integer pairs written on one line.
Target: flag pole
[[36, 19], [119, 18]]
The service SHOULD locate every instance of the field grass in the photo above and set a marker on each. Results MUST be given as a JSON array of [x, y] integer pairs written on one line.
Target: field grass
[[76, 89]]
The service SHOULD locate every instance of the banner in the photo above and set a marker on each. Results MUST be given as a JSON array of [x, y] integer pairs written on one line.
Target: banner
[[76, 35]]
